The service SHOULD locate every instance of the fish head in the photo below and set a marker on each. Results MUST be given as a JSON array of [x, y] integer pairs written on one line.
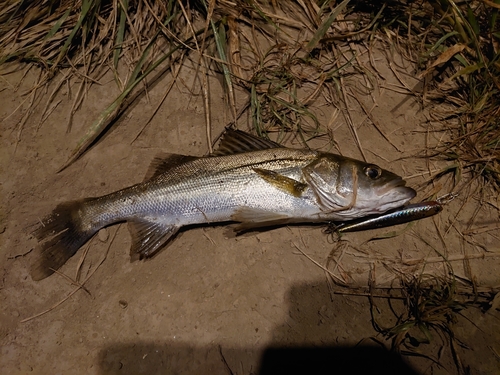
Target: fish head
[[351, 188], [380, 190]]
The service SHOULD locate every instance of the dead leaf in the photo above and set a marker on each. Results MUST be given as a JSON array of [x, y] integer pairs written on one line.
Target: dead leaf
[[444, 57]]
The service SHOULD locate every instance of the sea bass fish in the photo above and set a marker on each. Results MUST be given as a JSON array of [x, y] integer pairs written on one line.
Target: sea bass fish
[[250, 180]]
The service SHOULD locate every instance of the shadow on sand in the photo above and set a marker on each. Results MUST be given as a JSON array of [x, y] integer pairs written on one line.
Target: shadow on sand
[[303, 345]]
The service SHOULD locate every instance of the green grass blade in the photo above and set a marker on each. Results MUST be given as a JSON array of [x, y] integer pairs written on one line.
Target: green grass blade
[[58, 24], [86, 7], [441, 41], [255, 110], [261, 13], [320, 33], [472, 20], [220, 42], [467, 70], [461, 59], [120, 32]]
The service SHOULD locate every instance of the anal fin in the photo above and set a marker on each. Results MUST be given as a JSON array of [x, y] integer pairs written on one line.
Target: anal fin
[[148, 236]]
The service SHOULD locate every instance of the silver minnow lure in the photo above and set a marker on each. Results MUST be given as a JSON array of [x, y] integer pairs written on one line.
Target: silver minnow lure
[[249, 180], [401, 215]]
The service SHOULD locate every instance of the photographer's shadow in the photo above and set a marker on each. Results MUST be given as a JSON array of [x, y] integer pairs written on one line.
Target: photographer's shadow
[[309, 341]]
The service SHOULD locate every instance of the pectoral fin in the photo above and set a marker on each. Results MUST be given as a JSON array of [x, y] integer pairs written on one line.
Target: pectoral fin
[[284, 183], [251, 218], [148, 236]]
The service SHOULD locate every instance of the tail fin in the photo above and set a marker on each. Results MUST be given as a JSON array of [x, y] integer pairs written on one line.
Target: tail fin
[[61, 234]]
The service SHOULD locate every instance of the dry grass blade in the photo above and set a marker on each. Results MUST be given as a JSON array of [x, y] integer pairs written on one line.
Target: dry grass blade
[[79, 285], [167, 91], [327, 271]]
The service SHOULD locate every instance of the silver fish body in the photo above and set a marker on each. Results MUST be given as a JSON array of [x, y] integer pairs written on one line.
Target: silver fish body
[[255, 182], [209, 190]]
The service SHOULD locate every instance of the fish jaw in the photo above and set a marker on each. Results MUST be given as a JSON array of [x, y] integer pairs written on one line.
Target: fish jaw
[[392, 195], [394, 198]]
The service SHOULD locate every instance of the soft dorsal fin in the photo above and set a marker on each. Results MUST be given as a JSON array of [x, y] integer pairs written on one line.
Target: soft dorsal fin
[[237, 141], [163, 162]]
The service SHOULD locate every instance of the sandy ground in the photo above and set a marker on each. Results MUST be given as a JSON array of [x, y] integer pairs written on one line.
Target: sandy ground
[[213, 303]]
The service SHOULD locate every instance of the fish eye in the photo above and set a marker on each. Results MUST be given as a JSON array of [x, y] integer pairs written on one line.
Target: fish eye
[[373, 172]]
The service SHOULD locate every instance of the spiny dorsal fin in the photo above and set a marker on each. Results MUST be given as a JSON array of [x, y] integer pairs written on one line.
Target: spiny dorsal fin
[[284, 183], [149, 236], [163, 162], [236, 142]]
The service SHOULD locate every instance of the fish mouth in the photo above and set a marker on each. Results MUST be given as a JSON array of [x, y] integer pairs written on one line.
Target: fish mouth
[[398, 187], [395, 183], [394, 194]]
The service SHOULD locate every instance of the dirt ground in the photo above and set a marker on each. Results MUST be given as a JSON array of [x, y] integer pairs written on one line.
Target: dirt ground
[[212, 302]]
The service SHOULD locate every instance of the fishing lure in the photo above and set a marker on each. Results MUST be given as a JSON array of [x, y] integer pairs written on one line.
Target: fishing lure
[[401, 215]]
